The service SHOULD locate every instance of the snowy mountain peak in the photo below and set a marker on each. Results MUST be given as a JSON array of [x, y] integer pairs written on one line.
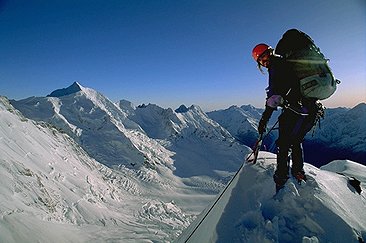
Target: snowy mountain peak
[[126, 106], [239, 121], [74, 88], [88, 116], [359, 109], [182, 109], [233, 107], [193, 108], [248, 107], [51, 190]]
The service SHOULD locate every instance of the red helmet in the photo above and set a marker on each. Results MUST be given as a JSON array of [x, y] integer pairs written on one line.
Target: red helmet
[[259, 49]]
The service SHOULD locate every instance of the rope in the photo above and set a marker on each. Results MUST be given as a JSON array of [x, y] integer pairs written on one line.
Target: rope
[[216, 201], [228, 185]]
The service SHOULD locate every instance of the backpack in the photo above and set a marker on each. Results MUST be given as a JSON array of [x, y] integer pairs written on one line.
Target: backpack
[[314, 76]]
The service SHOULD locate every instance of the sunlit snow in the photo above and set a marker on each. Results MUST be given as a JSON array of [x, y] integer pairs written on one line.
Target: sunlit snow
[[77, 167]]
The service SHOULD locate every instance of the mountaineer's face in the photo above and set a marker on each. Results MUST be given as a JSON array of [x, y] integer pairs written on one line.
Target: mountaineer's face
[[264, 59]]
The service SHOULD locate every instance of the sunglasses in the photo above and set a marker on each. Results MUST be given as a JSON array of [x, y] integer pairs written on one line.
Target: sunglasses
[[263, 59]]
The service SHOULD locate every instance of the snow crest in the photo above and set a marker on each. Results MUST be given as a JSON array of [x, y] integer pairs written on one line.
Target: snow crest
[[324, 209]]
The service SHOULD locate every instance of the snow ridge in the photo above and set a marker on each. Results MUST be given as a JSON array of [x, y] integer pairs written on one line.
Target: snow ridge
[[324, 209]]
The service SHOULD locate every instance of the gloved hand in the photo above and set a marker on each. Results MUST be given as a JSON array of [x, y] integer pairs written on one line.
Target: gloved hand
[[264, 120], [262, 126], [274, 101]]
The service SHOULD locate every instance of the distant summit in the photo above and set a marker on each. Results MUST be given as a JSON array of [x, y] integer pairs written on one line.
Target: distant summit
[[182, 109], [74, 88]]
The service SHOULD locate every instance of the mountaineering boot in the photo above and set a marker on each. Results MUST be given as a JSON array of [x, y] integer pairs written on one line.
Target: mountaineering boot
[[300, 176], [280, 182]]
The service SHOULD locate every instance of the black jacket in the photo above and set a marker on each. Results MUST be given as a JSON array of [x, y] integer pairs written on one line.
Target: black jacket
[[282, 81]]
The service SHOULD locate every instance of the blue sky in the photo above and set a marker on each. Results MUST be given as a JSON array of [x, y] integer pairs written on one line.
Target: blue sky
[[171, 52]]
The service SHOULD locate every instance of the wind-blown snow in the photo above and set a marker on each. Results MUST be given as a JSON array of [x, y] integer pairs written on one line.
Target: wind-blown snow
[[348, 168], [324, 209]]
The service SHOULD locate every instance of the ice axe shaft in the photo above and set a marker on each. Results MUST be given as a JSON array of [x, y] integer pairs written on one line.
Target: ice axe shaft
[[255, 152]]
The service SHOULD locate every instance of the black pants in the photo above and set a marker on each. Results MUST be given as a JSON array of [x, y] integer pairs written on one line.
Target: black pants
[[292, 130]]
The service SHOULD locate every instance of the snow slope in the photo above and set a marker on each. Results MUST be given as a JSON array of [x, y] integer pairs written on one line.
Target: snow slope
[[49, 181], [176, 178], [239, 122], [342, 134], [51, 190], [200, 145], [324, 209], [345, 130], [91, 119], [137, 136], [242, 123]]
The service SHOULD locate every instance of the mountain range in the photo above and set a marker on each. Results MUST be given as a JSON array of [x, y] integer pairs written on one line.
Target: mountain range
[[91, 169], [341, 134], [121, 134]]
